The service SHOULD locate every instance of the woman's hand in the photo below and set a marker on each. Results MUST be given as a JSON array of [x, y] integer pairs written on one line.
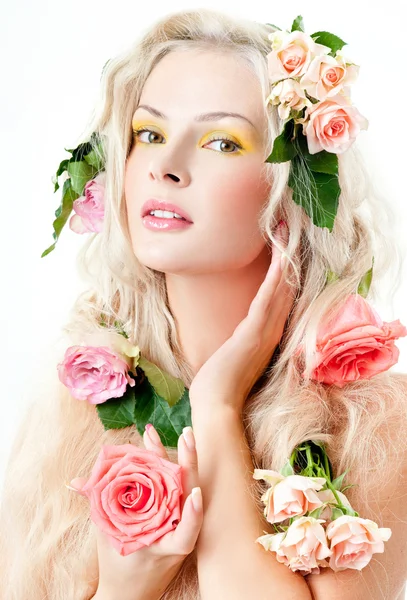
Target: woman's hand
[[146, 573], [227, 377]]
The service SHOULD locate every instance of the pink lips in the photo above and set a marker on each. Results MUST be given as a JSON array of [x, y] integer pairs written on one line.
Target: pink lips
[[153, 204]]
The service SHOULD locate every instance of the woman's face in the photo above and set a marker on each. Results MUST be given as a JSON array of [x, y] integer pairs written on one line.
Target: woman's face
[[219, 184]]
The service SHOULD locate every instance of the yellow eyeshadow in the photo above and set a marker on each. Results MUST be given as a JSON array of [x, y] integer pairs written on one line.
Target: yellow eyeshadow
[[246, 144]]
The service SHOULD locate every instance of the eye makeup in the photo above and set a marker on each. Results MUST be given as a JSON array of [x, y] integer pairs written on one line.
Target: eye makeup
[[242, 142]]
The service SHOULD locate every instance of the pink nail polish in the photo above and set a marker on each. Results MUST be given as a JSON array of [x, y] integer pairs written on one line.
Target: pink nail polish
[[153, 435]]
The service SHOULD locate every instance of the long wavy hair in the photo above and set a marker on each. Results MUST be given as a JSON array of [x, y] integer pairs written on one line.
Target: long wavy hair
[[47, 548]]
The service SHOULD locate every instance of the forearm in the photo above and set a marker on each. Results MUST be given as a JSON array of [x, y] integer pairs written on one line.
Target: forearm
[[230, 563]]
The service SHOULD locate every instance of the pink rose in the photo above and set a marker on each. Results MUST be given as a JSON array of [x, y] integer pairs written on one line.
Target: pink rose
[[289, 96], [353, 541], [89, 208], [332, 125], [303, 547], [355, 344], [291, 54], [95, 374], [288, 496], [327, 76], [135, 496]]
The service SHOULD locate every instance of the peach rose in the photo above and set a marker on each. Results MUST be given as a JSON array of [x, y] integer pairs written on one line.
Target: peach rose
[[327, 496], [327, 76], [353, 541], [332, 125], [288, 496], [303, 547], [289, 95], [135, 496], [291, 54], [89, 208], [94, 374], [355, 344]]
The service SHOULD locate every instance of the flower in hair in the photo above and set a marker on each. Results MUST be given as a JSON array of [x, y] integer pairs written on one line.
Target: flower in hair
[[314, 523], [354, 343], [89, 208], [310, 85], [126, 388]]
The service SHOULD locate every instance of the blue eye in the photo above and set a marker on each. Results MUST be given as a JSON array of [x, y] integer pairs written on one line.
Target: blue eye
[[225, 139]]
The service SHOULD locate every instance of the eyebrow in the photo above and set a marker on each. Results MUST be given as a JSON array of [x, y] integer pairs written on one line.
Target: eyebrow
[[203, 117]]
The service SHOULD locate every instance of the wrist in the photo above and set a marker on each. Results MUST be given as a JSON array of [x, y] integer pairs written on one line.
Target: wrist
[[213, 414]]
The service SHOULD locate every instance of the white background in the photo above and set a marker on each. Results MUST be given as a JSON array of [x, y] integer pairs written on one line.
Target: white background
[[52, 55]]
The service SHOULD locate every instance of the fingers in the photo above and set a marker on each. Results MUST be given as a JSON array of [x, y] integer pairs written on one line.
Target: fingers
[[188, 460], [183, 539], [152, 441]]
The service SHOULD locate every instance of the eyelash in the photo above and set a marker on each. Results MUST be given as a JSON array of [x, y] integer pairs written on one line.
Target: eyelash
[[216, 139]]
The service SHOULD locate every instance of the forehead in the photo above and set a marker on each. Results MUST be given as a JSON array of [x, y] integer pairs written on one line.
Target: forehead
[[186, 83]]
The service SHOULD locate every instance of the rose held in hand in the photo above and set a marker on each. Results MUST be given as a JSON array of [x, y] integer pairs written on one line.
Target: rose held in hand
[[135, 496]]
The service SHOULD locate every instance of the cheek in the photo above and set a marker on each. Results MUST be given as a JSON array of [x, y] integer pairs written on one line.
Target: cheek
[[239, 197]]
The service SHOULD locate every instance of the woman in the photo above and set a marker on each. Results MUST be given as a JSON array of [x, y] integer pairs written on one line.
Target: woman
[[212, 303]]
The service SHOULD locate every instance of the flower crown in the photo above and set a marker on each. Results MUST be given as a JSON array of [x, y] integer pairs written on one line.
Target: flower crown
[[310, 79]]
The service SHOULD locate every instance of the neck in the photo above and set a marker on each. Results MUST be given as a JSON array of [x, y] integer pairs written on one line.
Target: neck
[[208, 307]]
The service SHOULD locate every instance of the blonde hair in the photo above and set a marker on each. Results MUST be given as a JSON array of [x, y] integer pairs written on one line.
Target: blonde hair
[[47, 546]]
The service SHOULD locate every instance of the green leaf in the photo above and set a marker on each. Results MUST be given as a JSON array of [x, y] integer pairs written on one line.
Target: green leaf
[[336, 513], [94, 159], [287, 470], [62, 213], [321, 162], [329, 39], [317, 193], [337, 483], [331, 277], [168, 421], [283, 147], [168, 387], [365, 282], [298, 24], [118, 412], [316, 513], [80, 173], [63, 166]]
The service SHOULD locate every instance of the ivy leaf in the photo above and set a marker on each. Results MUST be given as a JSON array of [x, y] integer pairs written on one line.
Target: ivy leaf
[[365, 282], [62, 213], [298, 24], [118, 412], [168, 387], [329, 39], [283, 147], [168, 421]]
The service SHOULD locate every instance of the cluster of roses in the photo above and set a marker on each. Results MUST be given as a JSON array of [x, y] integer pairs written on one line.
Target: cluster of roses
[[323, 529], [311, 87]]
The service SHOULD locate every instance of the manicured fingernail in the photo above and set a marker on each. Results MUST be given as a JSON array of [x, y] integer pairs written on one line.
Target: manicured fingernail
[[152, 433], [189, 437], [197, 499], [70, 487]]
